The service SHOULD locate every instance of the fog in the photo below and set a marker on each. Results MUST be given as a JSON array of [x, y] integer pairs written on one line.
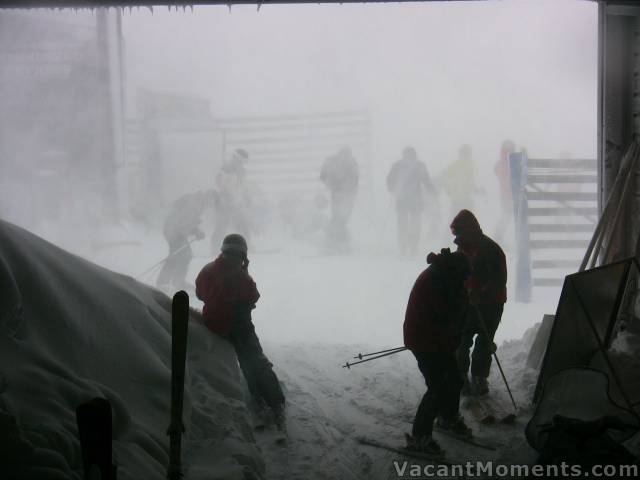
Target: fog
[[433, 76]]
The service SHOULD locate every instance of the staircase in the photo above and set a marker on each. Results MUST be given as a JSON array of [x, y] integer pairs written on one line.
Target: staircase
[[555, 211]]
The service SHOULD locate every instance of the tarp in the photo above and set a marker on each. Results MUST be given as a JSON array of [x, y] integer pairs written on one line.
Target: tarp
[[585, 321], [582, 394]]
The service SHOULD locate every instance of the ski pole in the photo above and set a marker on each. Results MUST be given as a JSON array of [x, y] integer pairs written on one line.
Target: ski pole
[[349, 365], [156, 265], [361, 355], [495, 355]]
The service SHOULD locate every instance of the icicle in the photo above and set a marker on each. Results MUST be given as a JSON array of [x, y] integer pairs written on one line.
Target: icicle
[[191, 7], [259, 5]]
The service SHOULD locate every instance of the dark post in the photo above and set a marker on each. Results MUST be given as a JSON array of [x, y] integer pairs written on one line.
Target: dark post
[[518, 170], [95, 432]]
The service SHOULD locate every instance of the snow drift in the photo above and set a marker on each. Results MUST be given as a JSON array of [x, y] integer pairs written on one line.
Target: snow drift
[[71, 331]]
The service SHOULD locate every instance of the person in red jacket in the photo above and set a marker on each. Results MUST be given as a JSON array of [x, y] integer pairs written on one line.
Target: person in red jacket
[[487, 287], [432, 327], [229, 294]]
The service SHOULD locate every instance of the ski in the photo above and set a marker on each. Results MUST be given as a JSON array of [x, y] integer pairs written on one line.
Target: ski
[[479, 411], [474, 440], [179, 329], [487, 411], [409, 453], [502, 415]]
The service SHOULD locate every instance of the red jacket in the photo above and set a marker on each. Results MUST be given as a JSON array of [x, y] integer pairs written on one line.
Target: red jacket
[[488, 279], [430, 325], [223, 286]]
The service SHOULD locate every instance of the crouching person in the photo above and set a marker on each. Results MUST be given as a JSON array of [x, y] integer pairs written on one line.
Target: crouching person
[[229, 294], [432, 328]]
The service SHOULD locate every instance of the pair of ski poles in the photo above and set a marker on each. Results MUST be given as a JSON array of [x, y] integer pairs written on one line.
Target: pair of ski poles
[[373, 356], [156, 265], [392, 351]]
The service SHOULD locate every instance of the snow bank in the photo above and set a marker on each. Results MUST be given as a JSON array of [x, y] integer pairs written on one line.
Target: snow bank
[[71, 331]]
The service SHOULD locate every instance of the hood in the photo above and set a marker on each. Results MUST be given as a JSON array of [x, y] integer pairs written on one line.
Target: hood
[[466, 225]]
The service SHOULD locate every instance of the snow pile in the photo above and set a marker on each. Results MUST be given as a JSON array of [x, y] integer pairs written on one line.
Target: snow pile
[[71, 331]]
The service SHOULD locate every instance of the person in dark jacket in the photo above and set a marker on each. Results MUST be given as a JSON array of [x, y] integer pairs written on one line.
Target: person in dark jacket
[[229, 294], [487, 288], [181, 227], [432, 327], [409, 182], [340, 174]]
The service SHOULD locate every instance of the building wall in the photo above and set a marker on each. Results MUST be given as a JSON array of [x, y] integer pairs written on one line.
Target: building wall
[[620, 118], [59, 85]]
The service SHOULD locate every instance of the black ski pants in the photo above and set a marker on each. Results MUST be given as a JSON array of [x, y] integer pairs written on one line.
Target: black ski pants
[[441, 374], [480, 360], [262, 381]]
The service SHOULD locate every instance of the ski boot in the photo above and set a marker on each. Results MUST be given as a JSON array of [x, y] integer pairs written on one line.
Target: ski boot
[[259, 414], [454, 426], [425, 444], [279, 420], [466, 390], [280, 423], [480, 386]]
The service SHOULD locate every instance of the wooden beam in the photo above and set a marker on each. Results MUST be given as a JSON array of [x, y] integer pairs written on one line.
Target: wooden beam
[[562, 179], [570, 163], [548, 282], [561, 228], [563, 196], [558, 244], [561, 211], [548, 264]]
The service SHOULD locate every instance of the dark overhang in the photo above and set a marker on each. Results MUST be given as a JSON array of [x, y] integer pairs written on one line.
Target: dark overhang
[[90, 4]]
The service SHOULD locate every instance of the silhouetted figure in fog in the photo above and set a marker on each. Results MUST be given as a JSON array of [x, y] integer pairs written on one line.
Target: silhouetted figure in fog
[[433, 322], [487, 289], [410, 184], [458, 181], [181, 227], [231, 212], [229, 294], [340, 174], [503, 174]]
